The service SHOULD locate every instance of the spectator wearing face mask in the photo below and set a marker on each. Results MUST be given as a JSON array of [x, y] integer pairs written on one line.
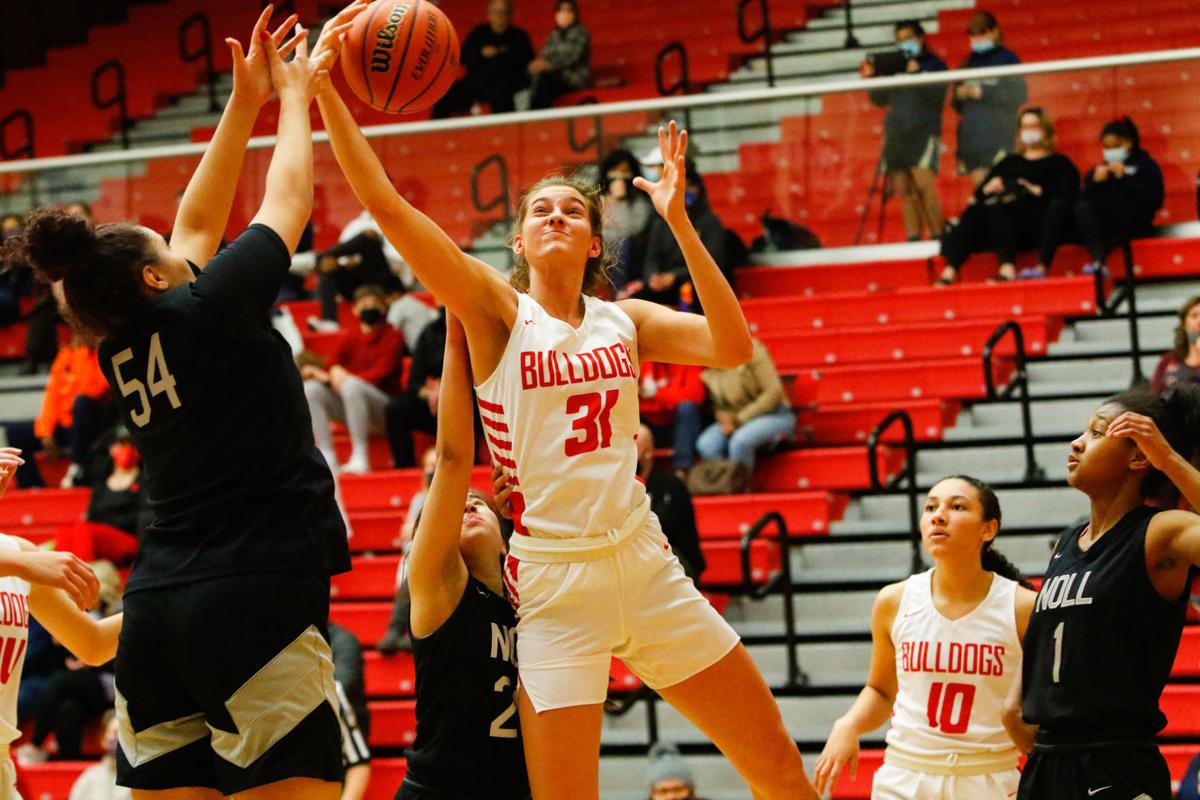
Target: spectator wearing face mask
[[1023, 203], [496, 55], [1121, 195], [664, 271], [564, 65], [669, 775], [415, 409], [116, 514], [356, 387], [912, 133], [987, 107], [1182, 362], [627, 214]]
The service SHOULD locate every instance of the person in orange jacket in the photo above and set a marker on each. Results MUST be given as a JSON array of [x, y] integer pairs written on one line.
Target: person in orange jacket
[[71, 412]]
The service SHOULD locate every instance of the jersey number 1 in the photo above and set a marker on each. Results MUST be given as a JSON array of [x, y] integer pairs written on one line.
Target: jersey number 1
[[942, 697], [595, 423], [158, 378]]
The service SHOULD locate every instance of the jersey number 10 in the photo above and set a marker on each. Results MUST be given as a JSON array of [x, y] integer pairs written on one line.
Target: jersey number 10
[[158, 378], [941, 709]]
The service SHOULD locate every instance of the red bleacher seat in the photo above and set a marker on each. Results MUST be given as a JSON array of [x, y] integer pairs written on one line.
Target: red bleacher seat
[[853, 422], [731, 516], [823, 468]]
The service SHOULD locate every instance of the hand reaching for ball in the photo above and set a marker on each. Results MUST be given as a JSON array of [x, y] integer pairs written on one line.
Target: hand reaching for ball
[[667, 193], [251, 70]]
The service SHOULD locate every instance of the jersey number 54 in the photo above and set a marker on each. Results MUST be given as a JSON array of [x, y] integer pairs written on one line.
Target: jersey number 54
[[158, 378]]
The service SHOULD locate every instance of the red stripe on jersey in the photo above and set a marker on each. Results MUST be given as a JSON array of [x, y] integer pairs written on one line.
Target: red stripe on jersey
[[518, 508], [499, 427], [505, 462], [503, 445], [492, 407]]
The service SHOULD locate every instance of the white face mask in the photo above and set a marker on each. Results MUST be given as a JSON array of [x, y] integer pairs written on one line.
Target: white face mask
[[1030, 138], [652, 172]]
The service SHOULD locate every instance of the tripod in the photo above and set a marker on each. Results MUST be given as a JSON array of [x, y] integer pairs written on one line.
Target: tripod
[[884, 188]]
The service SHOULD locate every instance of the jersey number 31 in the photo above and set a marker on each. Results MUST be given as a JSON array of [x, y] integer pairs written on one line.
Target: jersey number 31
[[158, 378]]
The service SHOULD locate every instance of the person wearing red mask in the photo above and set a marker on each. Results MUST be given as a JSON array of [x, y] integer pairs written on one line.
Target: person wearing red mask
[[115, 514]]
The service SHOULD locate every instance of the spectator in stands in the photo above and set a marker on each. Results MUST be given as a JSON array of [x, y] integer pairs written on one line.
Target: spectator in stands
[[72, 411], [15, 280], [671, 502], [416, 408], [362, 257], [564, 65], [1182, 362], [116, 514], [1121, 195], [496, 55], [357, 387], [664, 270], [353, 712], [1189, 783], [1023, 203], [627, 214], [99, 781], [751, 407], [912, 132], [669, 775], [409, 315], [988, 107], [670, 397]]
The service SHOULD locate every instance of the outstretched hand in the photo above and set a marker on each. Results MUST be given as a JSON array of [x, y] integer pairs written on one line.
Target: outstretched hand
[[301, 76], [61, 570], [10, 460], [667, 192], [1146, 435], [333, 34], [251, 70]]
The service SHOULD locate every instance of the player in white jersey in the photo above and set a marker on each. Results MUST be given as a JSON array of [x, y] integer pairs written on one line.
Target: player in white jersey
[[56, 588], [946, 648], [556, 371]]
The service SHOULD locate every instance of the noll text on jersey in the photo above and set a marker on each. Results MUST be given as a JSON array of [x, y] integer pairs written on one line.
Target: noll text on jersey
[[1060, 592]]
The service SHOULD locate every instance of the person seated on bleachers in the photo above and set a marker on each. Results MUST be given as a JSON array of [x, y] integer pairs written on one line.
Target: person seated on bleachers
[[415, 409], [912, 132], [72, 410], [1023, 203], [496, 55], [1182, 362], [362, 257], [751, 407], [988, 108], [669, 776], [671, 502], [116, 514], [1121, 195], [564, 65], [664, 270], [99, 781], [409, 315], [396, 636], [670, 397], [627, 214], [15, 279], [356, 388], [353, 712]]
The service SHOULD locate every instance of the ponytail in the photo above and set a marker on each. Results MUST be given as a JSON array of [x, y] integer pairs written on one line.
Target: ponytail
[[997, 562], [99, 267]]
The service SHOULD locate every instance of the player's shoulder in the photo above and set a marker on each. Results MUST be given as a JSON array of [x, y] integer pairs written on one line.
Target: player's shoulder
[[889, 597]]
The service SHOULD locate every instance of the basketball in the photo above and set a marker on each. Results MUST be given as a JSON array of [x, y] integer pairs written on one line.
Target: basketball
[[401, 55]]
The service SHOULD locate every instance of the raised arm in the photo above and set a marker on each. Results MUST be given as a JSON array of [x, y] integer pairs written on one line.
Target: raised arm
[[873, 706], [204, 208], [721, 337], [469, 288], [437, 574]]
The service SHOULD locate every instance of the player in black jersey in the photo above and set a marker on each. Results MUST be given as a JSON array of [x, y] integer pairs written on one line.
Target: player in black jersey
[[1107, 621], [468, 742], [224, 678]]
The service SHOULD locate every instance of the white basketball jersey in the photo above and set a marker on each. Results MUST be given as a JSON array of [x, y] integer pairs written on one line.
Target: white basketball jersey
[[953, 676], [14, 636], [560, 414]]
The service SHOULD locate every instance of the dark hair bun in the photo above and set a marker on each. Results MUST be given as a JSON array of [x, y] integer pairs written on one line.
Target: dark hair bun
[[56, 242]]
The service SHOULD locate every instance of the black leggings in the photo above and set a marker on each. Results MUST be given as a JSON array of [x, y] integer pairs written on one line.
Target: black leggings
[[1106, 222], [1006, 228], [70, 699]]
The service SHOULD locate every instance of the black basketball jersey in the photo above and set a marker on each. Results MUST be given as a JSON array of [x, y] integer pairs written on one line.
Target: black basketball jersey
[[216, 407], [1102, 640], [468, 743]]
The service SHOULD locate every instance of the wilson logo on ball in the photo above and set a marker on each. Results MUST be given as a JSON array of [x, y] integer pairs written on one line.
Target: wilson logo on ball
[[385, 39]]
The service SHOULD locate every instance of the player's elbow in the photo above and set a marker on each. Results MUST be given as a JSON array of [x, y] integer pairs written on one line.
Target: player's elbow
[[734, 354]]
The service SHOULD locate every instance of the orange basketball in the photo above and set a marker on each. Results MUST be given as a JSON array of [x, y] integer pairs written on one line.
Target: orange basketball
[[401, 55]]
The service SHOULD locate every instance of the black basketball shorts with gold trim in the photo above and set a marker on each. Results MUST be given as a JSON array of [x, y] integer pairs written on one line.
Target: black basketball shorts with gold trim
[[227, 683]]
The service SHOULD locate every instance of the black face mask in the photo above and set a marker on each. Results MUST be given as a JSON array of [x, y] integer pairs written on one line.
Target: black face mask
[[370, 317]]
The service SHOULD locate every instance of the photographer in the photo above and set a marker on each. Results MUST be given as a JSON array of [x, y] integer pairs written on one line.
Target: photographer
[[912, 129], [1022, 203]]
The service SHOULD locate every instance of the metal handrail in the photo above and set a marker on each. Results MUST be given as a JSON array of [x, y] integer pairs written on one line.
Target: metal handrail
[[659, 104], [205, 52], [1020, 382], [117, 98], [764, 32], [782, 580], [908, 475], [1127, 293], [20, 115], [851, 39]]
